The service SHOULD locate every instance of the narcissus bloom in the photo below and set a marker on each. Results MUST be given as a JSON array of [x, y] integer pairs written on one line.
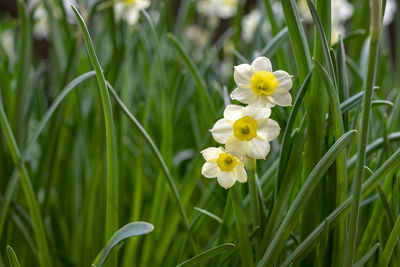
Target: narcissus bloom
[[129, 10], [227, 168], [223, 9], [246, 131], [260, 86]]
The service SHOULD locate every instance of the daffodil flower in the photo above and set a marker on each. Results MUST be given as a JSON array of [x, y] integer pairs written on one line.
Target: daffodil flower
[[227, 168], [246, 131], [259, 85], [129, 10], [223, 9]]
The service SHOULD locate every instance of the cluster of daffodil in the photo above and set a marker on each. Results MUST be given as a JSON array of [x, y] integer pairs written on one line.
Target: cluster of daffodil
[[247, 131]]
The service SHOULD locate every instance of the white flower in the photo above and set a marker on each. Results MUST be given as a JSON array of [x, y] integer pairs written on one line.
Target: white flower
[[128, 10], [223, 9], [258, 85], [341, 11], [249, 25], [41, 28], [227, 168], [246, 131], [7, 41], [197, 35], [390, 9]]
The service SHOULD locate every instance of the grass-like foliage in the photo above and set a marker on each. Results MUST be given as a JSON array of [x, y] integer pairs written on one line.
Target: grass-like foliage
[[114, 114]]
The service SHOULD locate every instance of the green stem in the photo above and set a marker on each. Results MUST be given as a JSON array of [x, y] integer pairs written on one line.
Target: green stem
[[33, 205], [112, 176], [375, 6], [255, 202], [246, 253]]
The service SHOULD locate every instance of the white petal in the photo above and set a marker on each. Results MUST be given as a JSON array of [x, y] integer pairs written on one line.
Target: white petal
[[263, 101], [211, 153], [142, 4], [236, 147], [242, 74], [222, 130], [284, 79], [210, 170], [269, 130], [226, 179], [262, 63], [281, 97], [258, 149], [244, 95], [233, 113], [257, 112], [132, 15], [240, 173]]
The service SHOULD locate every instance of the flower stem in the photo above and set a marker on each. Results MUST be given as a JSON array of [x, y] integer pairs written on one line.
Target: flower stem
[[246, 252], [375, 6], [255, 202]]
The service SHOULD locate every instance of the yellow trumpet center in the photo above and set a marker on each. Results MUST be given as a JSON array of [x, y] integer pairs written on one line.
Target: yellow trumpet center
[[226, 162], [245, 128], [130, 2], [263, 82]]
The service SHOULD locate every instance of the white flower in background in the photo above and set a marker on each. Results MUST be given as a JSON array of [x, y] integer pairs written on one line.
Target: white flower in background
[[341, 11], [258, 85], [390, 10], [197, 35], [129, 10], [246, 131], [7, 41], [249, 24], [222, 9], [41, 28], [227, 168]]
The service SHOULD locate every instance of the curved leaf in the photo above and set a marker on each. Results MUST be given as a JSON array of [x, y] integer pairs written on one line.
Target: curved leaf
[[129, 230], [12, 257]]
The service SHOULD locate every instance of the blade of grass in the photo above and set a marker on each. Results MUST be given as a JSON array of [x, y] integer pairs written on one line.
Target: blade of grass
[[12, 257], [246, 253], [206, 255], [161, 161], [270, 49], [375, 6], [209, 214], [297, 38], [302, 197], [341, 211], [111, 150], [341, 167], [129, 230], [363, 260], [201, 84], [38, 227], [392, 241]]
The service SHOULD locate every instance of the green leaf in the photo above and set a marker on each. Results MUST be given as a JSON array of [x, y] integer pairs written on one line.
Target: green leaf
[[160, 159], [201, 84], [324, 42], [12, 257], [111, 147], [270, 49], [129, 230], [340, 212], [391, 242], [206, 255], [279, 240], [209, 214], [367, 256], [297, 38]]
